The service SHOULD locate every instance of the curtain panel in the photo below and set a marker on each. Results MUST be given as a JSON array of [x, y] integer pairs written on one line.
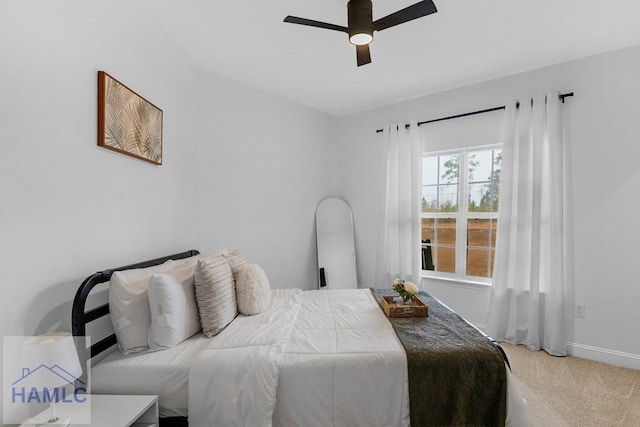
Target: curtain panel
[[531, 296], [398, 250]]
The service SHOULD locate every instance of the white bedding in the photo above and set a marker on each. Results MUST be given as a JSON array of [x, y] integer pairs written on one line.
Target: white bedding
[[164, 373], [234, 379], [343, 346], [315, 358]]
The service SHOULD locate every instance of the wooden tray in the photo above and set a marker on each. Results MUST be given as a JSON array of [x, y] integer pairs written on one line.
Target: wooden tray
[[415, 308]]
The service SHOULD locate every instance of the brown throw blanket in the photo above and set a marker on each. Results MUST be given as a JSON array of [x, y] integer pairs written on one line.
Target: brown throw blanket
[[457, 376]]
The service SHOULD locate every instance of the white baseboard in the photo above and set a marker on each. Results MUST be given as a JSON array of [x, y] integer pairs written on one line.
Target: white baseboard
[[604, 355], [598, 354]]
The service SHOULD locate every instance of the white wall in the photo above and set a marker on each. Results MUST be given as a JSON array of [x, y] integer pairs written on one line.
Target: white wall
[[263, 164], [605, 179], [245, 171], [68, 207]]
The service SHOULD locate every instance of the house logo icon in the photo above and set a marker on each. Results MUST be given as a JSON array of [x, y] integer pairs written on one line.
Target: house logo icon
[[42, 373], [46, 384]]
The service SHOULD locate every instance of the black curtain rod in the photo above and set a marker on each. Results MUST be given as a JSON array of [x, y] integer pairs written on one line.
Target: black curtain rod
[[562, 96]]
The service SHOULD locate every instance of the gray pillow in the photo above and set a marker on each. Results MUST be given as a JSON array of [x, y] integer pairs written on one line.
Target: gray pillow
[[215, 294]]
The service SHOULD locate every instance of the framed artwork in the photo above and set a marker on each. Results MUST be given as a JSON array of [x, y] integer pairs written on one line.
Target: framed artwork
[[128, 123]]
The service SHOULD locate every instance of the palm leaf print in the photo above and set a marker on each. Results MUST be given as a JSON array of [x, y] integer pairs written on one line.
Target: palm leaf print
[[131, 124]]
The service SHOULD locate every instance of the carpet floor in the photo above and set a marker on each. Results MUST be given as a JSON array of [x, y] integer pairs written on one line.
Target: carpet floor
[[569, 391]]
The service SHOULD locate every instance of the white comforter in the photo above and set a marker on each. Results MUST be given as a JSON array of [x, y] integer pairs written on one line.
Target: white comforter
[[315, 358]]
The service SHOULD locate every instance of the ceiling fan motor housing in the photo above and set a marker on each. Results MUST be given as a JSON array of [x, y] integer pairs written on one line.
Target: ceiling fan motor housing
[[360, 17]]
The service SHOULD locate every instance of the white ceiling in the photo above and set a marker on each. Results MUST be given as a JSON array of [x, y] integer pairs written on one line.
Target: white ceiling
[[465, 42]]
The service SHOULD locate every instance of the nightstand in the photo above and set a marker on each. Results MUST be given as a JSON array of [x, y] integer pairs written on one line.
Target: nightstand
[[114, 411]]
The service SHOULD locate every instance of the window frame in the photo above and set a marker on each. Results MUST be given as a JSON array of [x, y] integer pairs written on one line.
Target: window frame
[[461, 216]]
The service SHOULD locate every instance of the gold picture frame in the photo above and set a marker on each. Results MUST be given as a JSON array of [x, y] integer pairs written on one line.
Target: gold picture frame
[[127, 122]]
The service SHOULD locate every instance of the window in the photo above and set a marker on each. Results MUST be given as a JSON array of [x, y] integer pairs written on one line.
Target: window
[[460, 193]]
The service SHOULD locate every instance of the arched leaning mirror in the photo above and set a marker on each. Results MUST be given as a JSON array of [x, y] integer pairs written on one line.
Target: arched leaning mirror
[[336, 247]]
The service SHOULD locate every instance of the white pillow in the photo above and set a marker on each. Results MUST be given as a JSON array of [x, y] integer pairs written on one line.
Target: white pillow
[[252, 290], [129, 303], [174, 313]]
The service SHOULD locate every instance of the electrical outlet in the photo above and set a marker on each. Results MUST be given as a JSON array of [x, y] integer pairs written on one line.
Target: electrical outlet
[[580, 310]]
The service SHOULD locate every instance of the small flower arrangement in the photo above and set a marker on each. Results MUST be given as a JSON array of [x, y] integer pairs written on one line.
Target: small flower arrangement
[[407, 290]]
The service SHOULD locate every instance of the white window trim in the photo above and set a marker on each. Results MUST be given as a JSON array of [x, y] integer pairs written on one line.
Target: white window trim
[[462, 217], [446, 278]]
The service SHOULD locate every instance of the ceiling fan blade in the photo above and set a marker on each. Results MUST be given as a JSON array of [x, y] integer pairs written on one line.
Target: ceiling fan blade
[[363, 54], [407, 14], [311, 23]]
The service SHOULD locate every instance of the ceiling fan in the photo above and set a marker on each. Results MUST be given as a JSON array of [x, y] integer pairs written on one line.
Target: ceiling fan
[[361, 24]]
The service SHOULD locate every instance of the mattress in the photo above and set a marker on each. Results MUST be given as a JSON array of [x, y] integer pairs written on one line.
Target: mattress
[[164, 373]]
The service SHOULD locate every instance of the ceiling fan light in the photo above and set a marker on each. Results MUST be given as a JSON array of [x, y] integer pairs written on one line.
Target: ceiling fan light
[[360, 39], [360, 22]]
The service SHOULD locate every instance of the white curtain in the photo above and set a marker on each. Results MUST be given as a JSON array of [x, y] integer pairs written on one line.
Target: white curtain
[[398, 250], [531, 296]]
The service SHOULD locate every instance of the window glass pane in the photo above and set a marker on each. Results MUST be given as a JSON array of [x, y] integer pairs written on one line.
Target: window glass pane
[[439, 244], [427, 256], [429, 198], [494, 232], [481, 242], [428, 238], [446, 231], [428, 230], [478, 232], [479, 198], [440, 176], [445, 249], [478, 262], [448, 200], [495, 178], [430, 170], [484, 180], [479, 165], [449, 169], [445, 259]]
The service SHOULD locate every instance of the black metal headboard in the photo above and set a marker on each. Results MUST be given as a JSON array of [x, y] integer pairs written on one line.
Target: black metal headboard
[[80, 317]]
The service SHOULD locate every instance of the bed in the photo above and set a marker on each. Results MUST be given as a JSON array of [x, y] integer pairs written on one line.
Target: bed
[[314, 358]]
